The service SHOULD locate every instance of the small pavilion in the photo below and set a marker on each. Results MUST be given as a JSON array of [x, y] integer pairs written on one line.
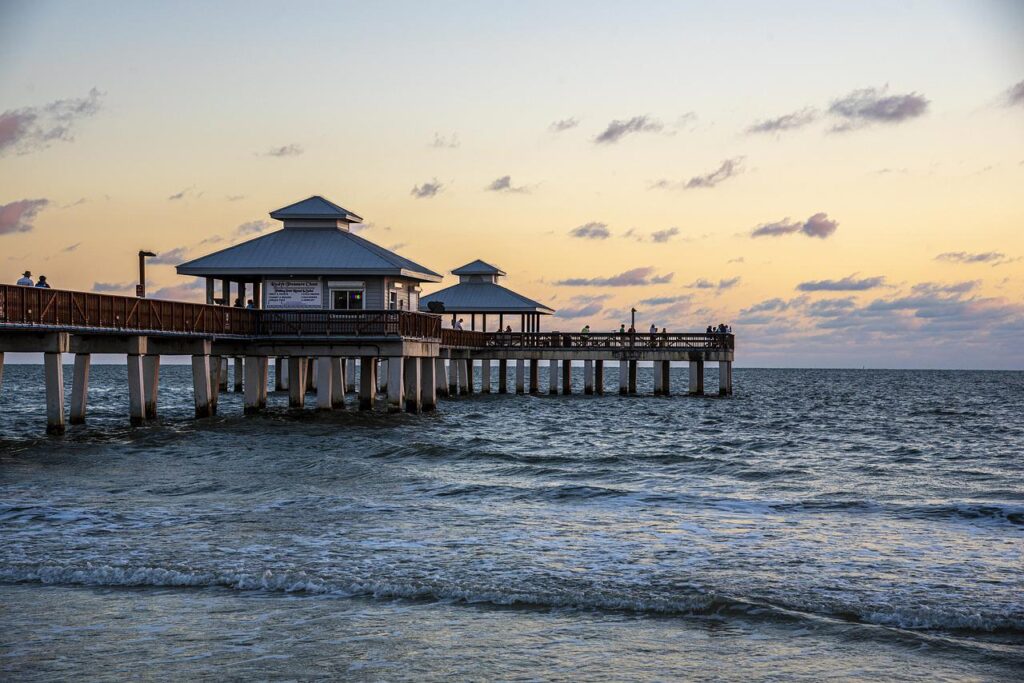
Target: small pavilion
[[478, 293]]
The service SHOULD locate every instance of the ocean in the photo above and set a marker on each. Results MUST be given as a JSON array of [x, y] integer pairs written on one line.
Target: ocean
[[820, 524]]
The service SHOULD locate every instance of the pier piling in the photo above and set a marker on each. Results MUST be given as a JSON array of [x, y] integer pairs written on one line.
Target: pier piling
[[136, 390], [599, 377], [588, 377], [623, 377], [696, 385], [440, 378], [338, 383], [502, 376], [395, 386], [566, 376], [150, 383], [454, 366], [724, 378], [324, 384], [429, 383], [367, 382], [485, 376], [80, 387], [521, 376], [632, 377], [238, 374], [251, 392], [534, 376], [201, 388], [553, 376], [297, 381], [54, 371], [413, 384]]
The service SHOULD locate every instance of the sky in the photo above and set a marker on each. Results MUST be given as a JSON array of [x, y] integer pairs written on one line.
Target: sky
[[843, 183]]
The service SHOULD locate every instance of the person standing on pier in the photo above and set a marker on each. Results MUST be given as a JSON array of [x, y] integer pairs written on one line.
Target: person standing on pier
[[458, 325], [26, 279], [43, 284]]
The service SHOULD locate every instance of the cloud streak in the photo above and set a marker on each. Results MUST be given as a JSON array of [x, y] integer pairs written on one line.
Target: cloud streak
[[591, 231], [564, 124], [292, 150], [870, 106], [819, 225], [504, 184], [170, 257], [636, 277], [1014, 96], [19, 216], [726, 170], [850, 283], [786, 122], [31, 129], [427, 190], [993, 258], [443, 142], [619, 129]]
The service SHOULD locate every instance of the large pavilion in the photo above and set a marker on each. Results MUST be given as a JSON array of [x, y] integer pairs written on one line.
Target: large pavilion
[[478, 293]]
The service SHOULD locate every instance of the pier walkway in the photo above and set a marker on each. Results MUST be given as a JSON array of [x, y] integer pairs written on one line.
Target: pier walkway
[[407, 356]]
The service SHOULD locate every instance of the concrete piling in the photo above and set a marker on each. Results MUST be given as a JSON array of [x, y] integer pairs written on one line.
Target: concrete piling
[[521, 377], [324, 383], [429, 383], [238, 374], [413, 394], [395, 384], [696, 384], [588, 377], [150, 383], [201, 387], [465, 376], [338, 383], [534, 376], [251, 388], [485, 376], [297, 381], [136, 390], [440, 378], [599, 377], [54, 371], [80, 387], [502, 376], [623, 377], [454, 367], [566, 376], [724, 378], [553, 376], [367, 382], [632, 377]]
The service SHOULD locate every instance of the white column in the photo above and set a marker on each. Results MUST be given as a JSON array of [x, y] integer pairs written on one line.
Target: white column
[[413, 395], [80, 388], [588, 377], [395, 387], [223, 373], [338, 383], [659, 387], [623, 377], [465, 376], [296, 381], [485, 376], [201, 389], [324, 385], [150, 383], [251, 386], [520, 376], [216, 366], [724, 378], [385, 375], [440, 378], [553, 377], [136, 386], [54, 370], [696, 385]]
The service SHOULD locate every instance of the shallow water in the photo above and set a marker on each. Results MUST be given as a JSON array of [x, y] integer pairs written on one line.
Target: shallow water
[[843, 524]]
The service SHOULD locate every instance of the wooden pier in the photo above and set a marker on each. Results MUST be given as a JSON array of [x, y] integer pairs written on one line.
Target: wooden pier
[[418, 361]]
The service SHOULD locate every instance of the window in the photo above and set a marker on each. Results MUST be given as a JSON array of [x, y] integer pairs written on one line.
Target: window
[[392, 300], [347, 299]]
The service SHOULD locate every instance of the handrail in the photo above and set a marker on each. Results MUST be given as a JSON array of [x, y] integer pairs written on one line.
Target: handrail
[[593, 340]]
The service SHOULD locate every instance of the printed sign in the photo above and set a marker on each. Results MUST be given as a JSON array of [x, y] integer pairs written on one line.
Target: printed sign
[[294, 294]]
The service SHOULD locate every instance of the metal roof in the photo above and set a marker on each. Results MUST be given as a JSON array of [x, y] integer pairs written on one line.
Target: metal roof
[[478, 267], [482, 297], [312, 251], [313, 208]]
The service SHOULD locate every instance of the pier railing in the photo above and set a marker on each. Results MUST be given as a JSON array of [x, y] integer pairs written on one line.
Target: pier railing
[[596, 341], [332, 323]]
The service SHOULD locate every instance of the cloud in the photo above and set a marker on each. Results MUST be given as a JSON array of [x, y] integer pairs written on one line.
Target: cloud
[[591, 231], [396, 246], [665, 300], [426, 190], [662, 236], [702, 283], [994, 258], [630, 278], [504, 184], [873, 105], [180, 195], [71, 247], [112, 286], [292, 150], [564, 124], [728, 169], [33, 128], [819, 225], [252, 227], [1014, 96], [850, 283], [187, 291], [738, 259], [442, 142], [618, 129], [792, 121], [19, 216], [830, 308], [962, 287], [583, 306], [766, 306], [170, 257]]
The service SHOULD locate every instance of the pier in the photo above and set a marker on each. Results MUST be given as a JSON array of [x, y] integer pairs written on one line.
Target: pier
[[340, 318]]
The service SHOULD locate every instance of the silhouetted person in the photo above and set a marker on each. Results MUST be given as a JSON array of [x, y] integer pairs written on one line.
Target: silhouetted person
[[250, 304], [42, 282], [26, 280]]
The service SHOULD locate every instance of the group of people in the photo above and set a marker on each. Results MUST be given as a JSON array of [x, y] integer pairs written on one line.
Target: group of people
[[721, 329], [26, 281]]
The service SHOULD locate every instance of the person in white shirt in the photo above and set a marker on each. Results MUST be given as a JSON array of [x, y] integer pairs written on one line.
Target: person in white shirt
[[26, 280], [458, 325]]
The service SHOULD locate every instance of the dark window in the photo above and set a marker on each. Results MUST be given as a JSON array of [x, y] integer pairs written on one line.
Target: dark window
[[347, 299]]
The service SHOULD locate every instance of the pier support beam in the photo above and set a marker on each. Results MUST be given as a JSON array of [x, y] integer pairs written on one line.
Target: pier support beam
[[280, 378], [395, 386], [599, 377], [413, 393], [632, 377], [367, 382], [324, 383], [567, 377], [136, 390], [466, 376], [296, 381], [553, 377], [338, 383], [440, 377], [223, 374], [251, 387], [350, 375], [216, 368], [201, 388], [1, 369], [80, 388], [696, 385], [151, 383], [502, 376], [725, 378], [659, 379], [534, 376], [623, 377], [454, 366], [54, 369], [428, 383], [521, 376], [485, 376], [588, 377], [311, 375], [384, 375], [239, 372]]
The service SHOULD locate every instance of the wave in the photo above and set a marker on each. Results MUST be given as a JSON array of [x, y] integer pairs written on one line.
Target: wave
[[685, 601]]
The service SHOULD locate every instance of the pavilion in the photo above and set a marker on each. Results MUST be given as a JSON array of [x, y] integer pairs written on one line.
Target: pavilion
[[478, 293]]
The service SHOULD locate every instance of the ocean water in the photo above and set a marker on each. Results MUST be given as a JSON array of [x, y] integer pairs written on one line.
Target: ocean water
[[820, 524]]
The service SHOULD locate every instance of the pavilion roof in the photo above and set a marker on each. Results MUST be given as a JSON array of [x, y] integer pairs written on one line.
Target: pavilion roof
[[483, 297]]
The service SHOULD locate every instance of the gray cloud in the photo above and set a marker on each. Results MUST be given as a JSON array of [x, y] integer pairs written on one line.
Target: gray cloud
[[665, 235], [170, 257], [728, 169], [792, 121], [71, 247], [564, 124], [442, 142], [830, 308], [112, 286], [767, 306], [618, 129], [819, 225], [504, 184], [630, 278], [872, 105], [252, 227], [180, 195], [426, 190], [292, 150], [33, 128], [19, 216], [591, 231], [1015, 95], [850, 283], [665, 300], [994, 258], [582, 306], [702, 283]]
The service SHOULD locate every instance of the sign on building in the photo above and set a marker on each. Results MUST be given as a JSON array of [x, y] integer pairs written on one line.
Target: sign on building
[[294, 294]]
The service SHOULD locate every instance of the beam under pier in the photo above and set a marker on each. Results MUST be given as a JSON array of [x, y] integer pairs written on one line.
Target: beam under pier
[[150, 383], [367, 382], [238, 374], [428, 383], [216, 367], [440, 378], [297, 381], [54, 371], [502, 376], [521, 376], [324, 383], [552, 376], [534, 376], [201, 388], [588, 377], [350, 375], [623, 377], [413, 394], [395, 384], [724, 378], [566, 376], [632, 377], [80, 387], [251, 386], [280, 380], [485, 376], [599, 377], [338, 383], [696, 385], [466, 377], [454, 366], [659, 379]]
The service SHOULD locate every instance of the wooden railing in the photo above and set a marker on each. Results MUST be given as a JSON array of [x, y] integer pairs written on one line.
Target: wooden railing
[[561, 340], [349, 323]]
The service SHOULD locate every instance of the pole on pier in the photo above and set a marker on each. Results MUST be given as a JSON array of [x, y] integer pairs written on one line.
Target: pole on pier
[[413, 395], [80, 388], [502, 376], [534, 376], [251, 386], [696, 386], [324, 384], [599, 377], [54, 370], [552, 376], [632, 377], [338, 383], [428, 383], [296, 381], [395, 384], [521, 376], [440, 377], [588, 377], [623, 377], [238, 374], [485, 376], [367, 382], [725, 378], [201, 388]]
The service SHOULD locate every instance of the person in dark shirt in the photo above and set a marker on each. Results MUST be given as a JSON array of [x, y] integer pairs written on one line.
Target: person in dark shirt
[[42, 282]]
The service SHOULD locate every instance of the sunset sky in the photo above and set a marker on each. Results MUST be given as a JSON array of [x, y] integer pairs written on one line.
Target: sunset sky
[[843, 183]]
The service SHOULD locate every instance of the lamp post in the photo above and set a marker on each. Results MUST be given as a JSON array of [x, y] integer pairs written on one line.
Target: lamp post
[[632, 319], [140, 289]]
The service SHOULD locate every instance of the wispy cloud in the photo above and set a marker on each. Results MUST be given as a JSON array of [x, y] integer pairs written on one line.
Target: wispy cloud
[[786, 122], [563, 125], [446, 142], [869, 106], [112, 286], [178, 196], [1014, 96], [71, 247], [252, 227], [618, 129], [292, 150], [170, 256], [504, 184], [591, 231], [34, 128], [850, 283], [662, 236], [728, 169], [426, 190], [235, 197], [582, 306], [819, 225], [630, 278], [19, 216], [186, 291], [702, 283], [993, 258], [665, 300]]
